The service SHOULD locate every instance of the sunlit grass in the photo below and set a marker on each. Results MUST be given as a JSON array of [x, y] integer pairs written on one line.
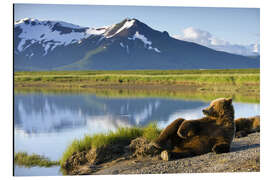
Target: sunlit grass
[[23, 159], [142, 72], [232, 76], [135, 79], [121, 135]]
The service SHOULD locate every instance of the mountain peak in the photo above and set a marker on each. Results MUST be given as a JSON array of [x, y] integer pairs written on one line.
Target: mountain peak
[[117, 28], [126, 27], [32, 22], [26, 21]]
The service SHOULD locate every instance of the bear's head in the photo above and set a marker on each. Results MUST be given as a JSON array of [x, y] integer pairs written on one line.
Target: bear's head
[[219, 108]]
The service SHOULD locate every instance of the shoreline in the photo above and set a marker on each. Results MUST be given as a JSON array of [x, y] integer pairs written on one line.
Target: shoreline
[[243, 157], [129, 151], [223, 81], [249, 93]]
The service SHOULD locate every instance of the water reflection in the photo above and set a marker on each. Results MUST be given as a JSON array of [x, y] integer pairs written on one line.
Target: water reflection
[[47, 123], [39, 113], [37, 171]]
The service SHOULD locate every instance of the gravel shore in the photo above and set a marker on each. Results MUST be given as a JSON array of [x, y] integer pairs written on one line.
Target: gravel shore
[[244, 157]]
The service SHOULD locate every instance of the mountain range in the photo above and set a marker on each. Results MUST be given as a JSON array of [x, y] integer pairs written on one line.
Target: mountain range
[[128, 45]]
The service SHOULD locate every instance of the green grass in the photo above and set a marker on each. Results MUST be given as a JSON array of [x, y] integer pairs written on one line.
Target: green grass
[[23, 159], [150, 132], [145, 79], [142, 72], [80, 78]]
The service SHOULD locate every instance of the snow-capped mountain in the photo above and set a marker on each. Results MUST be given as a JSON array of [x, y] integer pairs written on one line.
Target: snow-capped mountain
[[50, 34], [130, 44]]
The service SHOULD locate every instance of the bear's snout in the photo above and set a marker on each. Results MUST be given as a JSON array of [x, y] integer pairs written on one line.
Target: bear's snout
[[205, 111]]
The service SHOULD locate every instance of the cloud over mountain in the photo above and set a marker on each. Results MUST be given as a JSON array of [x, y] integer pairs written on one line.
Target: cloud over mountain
[[205, 38]]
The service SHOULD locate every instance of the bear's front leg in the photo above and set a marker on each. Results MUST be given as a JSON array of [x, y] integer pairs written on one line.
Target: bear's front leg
[[187, 129], [165, 155], [221, 148], [164, 141], [175, 154]]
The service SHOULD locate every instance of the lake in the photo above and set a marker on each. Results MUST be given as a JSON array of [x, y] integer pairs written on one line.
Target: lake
[[46, 123]]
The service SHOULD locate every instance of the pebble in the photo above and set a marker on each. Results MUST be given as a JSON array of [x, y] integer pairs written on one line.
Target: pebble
[[244, 158]]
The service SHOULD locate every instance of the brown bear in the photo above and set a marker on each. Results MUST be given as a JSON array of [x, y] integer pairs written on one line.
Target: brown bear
[[214, 132], [245, 126]]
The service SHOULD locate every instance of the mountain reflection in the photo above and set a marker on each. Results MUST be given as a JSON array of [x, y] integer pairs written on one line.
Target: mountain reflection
[[46, 113]]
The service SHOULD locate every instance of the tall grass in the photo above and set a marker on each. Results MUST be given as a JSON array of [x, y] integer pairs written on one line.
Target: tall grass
[[23, 159], [142, 72], [150, 132], [145, 79], [237, 76]]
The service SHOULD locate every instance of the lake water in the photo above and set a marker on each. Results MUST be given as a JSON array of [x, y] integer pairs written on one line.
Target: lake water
[[46, 124]]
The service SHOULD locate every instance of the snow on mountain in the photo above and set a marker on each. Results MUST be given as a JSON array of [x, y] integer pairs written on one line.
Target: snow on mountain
[[146, 42], [137, 35], [51, 34], [155, 49], [127, 24], [47, 34], [45, 22], [93, 31], [122, 45]]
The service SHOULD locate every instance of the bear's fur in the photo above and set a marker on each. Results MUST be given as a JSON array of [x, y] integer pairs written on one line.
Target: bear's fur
[[214, 132], [245, 126]]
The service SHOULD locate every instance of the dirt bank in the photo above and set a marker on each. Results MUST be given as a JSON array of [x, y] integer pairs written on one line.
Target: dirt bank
[[244, 157]]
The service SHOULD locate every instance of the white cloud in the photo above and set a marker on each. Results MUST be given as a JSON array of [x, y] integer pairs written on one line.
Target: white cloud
[[205, 38]]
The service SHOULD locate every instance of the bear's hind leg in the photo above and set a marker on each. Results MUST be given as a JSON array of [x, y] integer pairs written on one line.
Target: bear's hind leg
[[221, 148], [240, 134]]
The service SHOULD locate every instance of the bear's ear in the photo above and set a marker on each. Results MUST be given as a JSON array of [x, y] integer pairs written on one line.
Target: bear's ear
[[229, 100]]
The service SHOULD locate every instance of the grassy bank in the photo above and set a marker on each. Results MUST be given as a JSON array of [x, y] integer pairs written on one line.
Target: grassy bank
[[143, 72], [23, 159], [122, 134], [81, 78]]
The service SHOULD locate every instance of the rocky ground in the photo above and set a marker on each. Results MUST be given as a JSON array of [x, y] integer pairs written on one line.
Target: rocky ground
[[244, 157]]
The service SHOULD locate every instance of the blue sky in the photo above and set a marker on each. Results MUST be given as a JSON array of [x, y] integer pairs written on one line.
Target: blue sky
[[231, 25]]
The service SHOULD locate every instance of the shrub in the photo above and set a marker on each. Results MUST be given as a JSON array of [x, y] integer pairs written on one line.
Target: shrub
[[23, 159]]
